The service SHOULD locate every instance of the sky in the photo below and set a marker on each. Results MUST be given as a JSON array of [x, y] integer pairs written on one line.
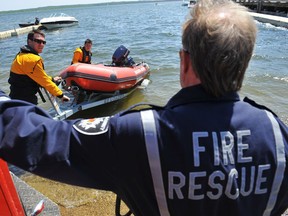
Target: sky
[[7, 5]]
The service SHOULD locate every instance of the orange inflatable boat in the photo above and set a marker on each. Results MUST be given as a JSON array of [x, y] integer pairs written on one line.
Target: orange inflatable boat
[[104, 78]]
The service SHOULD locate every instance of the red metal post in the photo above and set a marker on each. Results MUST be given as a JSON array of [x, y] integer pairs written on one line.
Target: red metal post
[[10, 204]]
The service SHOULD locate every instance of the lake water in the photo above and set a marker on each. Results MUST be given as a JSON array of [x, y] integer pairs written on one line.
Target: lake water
[[152, 33]]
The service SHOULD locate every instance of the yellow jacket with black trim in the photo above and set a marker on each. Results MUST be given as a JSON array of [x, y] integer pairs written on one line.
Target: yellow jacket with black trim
[[30, 64], [78, 56]]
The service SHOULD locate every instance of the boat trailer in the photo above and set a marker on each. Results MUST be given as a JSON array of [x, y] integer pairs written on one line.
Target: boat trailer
[[82, 100]]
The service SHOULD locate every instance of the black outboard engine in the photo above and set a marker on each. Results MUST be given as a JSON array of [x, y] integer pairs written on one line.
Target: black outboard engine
[[120, 57]]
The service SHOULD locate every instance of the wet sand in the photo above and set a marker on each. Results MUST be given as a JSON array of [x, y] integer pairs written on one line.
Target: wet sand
[[75, 201]]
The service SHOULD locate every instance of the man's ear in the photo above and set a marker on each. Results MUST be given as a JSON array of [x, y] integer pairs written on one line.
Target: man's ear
[[185, 61], [188, 75]]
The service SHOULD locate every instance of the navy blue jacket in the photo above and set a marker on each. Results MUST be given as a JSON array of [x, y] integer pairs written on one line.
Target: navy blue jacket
[[210, 156]]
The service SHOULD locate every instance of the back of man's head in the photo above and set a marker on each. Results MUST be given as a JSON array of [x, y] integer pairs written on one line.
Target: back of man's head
[[220, 38]]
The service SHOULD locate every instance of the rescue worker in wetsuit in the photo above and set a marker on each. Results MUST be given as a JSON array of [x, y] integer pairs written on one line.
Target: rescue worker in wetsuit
[[83, 54], [207, 152], [27, 72]]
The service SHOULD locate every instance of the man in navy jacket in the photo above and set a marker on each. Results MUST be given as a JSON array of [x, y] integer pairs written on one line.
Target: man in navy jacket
[[205, 153]]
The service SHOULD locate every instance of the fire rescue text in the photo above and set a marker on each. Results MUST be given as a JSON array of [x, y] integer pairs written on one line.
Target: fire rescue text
[[224, 178]]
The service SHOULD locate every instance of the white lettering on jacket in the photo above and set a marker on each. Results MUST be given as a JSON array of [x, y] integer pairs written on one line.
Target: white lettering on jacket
[[224, 178]]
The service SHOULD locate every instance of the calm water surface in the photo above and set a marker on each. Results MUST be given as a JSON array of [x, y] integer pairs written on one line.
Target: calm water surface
[[152, 32]]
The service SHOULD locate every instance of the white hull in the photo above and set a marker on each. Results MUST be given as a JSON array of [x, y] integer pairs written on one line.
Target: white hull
[[57, 25], [58, 21]]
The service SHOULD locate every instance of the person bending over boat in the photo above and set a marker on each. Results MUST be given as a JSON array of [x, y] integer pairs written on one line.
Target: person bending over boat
[[206, 153], [83, 54], [27, 72]]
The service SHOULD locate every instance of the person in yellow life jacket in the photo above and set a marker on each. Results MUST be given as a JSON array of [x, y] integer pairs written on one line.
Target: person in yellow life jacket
[[83, 54], [27, 72]]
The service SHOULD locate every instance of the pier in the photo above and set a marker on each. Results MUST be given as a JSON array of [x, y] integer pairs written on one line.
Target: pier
[[272, 7], [272, 19], [274, 12], [17, 31]]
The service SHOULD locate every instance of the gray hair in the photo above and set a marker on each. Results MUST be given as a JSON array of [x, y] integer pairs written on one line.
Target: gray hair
[[220, 38]]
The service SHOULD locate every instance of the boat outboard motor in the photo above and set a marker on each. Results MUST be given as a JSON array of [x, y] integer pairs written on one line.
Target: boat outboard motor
[[120, 57]]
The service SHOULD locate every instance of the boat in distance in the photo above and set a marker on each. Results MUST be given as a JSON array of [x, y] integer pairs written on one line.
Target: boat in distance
[[58, 21], [192, 3], [185, 3], [36, 22], [23, 25]]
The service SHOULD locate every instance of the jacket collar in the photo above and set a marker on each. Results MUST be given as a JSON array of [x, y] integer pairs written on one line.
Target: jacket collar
[[197, 93], [28, 49]]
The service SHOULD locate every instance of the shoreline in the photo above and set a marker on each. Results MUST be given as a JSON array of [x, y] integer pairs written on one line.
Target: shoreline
[[71, 200]]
